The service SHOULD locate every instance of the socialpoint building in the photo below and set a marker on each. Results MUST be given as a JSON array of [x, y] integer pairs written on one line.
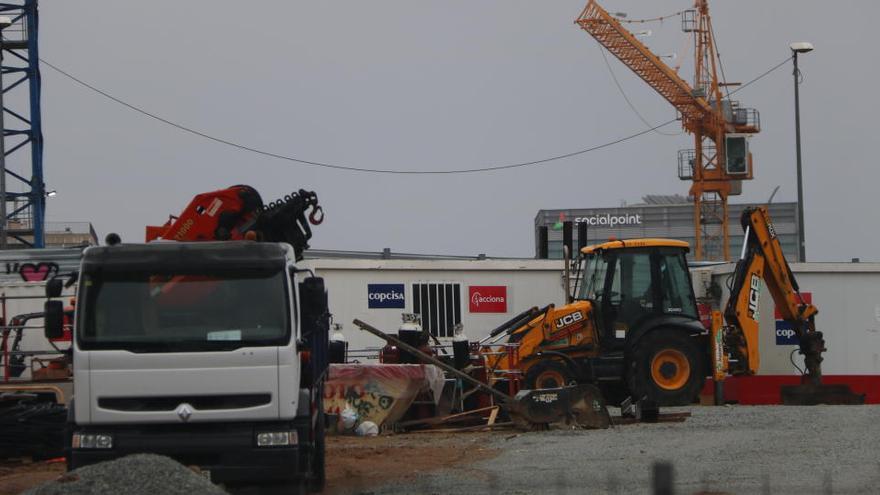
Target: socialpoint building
[[657, 216]]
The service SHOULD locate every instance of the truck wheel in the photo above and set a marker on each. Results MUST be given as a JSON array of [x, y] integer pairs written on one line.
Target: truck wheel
[[548, 373], [666, 368], [319, 476]]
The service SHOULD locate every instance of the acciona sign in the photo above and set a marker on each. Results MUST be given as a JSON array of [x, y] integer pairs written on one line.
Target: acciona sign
[[610, 220]]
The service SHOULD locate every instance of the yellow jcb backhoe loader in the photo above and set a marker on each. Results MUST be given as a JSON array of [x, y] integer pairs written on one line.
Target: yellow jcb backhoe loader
[[631, 324]]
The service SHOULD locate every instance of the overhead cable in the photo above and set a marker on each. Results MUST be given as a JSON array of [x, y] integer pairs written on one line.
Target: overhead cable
[[491, 168], [626, 98]]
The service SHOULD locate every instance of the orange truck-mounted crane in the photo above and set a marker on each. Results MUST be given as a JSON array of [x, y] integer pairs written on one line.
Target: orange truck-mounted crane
[[720, 159], [238, 213]]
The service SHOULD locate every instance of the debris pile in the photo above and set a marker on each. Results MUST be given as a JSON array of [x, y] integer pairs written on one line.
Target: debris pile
[[30, 426], [137, 474]]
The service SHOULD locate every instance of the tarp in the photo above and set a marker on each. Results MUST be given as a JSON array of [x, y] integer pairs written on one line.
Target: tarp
[[380, 393]]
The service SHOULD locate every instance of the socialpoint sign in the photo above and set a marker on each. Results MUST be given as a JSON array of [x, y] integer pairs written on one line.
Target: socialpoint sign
[[607, 219], [487, 298], [386, 296]]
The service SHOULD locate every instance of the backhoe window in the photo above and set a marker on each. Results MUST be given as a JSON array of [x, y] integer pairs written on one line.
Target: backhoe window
[[676, 284], [174, 312], [631, 295], [593, 281]]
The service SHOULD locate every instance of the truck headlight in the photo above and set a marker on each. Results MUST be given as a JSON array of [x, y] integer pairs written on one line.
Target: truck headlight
[[277, 438], [92, 441]]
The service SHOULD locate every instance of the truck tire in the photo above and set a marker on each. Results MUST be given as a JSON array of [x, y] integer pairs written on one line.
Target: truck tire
[[69, 427], [319, 477], [548, 373], [666, 367], [299, 487]]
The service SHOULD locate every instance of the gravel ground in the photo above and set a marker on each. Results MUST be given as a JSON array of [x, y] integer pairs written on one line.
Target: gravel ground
[[133, 475], [733, 449]]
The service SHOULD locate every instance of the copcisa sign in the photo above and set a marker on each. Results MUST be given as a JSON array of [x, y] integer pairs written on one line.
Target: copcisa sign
[[386, 296]]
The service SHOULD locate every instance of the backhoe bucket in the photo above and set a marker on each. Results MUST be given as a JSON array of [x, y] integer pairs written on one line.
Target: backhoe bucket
[[810, 394], [579, 405]]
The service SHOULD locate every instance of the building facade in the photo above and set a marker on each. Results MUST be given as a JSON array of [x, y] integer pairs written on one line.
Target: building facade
[[659, 216]]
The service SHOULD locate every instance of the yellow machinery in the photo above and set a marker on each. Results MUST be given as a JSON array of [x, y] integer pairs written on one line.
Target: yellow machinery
[[631, 325], [734, 338]]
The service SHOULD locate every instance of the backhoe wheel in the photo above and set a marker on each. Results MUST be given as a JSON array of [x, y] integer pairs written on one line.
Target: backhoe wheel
[[666, 366], [548, 373]]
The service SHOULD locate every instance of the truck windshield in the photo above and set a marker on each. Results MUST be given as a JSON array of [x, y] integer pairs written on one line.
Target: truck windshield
[[593, 268], [182, 312]]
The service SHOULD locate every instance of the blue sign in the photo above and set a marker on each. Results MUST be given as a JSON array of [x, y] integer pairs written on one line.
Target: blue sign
[[785, 334], [386, 296]]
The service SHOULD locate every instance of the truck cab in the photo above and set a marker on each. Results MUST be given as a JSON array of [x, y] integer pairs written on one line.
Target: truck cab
[[212, 353]]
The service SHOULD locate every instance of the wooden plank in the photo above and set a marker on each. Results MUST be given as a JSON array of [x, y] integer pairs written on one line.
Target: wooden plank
[[492, 416], [466, 428], [443, 419]]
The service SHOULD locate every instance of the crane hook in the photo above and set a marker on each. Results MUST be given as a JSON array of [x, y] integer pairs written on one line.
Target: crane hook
[[317, 215]]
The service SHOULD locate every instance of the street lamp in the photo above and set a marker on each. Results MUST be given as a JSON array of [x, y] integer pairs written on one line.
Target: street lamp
[[796, 48], [5, 22]]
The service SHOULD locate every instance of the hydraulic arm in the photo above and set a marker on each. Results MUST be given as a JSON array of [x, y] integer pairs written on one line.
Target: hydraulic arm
[[238, 212], [763, 261]]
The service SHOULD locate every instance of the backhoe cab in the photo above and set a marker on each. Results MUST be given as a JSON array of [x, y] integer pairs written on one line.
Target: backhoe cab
[[630, 324]]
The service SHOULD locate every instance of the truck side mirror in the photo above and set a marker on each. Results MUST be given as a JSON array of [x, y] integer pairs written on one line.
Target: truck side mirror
[[54, 319], [54, 287]]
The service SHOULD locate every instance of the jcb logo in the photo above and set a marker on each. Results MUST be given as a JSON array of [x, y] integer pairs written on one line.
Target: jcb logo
[[569, 319], [754, 295]]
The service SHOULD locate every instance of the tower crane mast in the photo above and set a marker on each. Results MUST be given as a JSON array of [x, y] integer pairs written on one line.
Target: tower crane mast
[[720, 159]]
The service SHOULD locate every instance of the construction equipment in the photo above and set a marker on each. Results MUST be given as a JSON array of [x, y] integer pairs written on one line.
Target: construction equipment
[[631, 325], [737, 336], [579, 405], [238, 212], [720, 159], [176, 310]]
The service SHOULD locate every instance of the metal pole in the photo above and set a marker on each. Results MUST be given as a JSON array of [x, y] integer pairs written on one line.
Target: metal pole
[[802, 253], [4, 234]]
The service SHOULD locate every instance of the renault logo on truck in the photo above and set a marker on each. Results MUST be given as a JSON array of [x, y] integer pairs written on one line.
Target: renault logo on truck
[[184, 411]]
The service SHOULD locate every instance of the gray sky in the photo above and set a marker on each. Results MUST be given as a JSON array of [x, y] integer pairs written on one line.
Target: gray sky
[[436, 85]]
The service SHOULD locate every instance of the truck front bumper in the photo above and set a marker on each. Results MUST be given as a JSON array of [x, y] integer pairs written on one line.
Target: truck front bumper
[[227, 451]]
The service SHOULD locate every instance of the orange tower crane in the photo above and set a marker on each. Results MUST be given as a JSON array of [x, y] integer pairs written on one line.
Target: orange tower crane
[[720, 159]]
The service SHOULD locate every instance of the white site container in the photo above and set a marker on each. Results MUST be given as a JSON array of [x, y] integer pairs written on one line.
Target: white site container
[[847, 296], [526, 283]]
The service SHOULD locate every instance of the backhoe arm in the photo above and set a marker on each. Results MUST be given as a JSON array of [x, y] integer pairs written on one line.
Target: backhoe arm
[[764, 261]]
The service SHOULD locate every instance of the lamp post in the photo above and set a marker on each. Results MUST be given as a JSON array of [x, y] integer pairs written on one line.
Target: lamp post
[[796, 48], [5, 22]]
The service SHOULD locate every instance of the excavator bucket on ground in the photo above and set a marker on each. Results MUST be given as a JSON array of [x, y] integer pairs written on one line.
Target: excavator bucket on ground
[[810, 394], [579, 406]]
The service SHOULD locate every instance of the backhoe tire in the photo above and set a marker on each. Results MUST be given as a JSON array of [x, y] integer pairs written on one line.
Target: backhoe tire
[[548, 373], [667, 367]]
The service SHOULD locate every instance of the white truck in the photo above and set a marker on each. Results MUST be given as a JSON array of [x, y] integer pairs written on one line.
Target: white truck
[[212, 353]]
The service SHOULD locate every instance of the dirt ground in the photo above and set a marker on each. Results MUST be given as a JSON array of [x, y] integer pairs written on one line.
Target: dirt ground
[[354, 464], [18, 477]]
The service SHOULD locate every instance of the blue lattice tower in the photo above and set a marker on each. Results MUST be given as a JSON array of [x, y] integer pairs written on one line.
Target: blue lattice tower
[[22, 126]]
